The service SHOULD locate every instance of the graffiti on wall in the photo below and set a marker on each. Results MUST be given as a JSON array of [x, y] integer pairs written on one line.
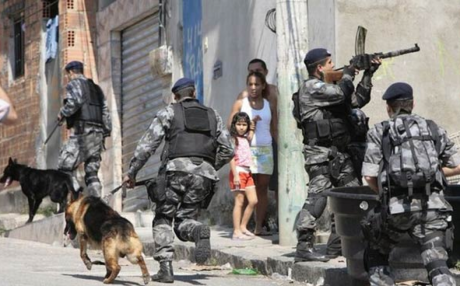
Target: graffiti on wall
[[192, 39], [446, 60]]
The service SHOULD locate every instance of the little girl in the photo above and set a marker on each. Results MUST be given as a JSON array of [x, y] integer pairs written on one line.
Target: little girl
[[241, 182]]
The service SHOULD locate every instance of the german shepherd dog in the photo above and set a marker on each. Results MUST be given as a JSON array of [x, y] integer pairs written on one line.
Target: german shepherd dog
[[37, 184], [98, 224]]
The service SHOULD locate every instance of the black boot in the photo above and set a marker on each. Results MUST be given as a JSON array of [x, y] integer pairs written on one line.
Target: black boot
[[201, 236], [334, 244], [165, 274], [305, 250]]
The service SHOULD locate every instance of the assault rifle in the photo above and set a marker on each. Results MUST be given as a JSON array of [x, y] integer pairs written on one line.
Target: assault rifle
[[364, 62]]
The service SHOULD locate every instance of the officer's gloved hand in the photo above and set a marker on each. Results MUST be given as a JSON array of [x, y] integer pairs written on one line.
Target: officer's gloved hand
[[375, 64], [350, 70], [129, 182]]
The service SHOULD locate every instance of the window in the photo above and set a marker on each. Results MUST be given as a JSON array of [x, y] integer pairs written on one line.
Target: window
[[50, 8], [18, 47]]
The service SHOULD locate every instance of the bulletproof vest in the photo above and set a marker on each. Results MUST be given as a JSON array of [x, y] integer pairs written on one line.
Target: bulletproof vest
[[193, 131], [91, 110], [411, 147], [332, 130]]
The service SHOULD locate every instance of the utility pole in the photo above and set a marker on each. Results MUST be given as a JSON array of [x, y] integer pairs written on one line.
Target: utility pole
[[292, 36]]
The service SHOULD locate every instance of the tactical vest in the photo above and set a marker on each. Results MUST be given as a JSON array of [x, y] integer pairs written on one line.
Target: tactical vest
[[91, 110], [333, 130], [193, 131]]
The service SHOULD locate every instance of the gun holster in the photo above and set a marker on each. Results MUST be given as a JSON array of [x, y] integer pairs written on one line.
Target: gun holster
[[373, 225], [334, 163], [156, 188]]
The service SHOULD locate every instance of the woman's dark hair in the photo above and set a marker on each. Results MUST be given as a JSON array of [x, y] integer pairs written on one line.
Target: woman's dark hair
[[258, 61], [240, 116], [262, 79]]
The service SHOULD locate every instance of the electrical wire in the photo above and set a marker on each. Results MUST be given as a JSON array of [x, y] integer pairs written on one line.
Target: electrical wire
[[270, 20]]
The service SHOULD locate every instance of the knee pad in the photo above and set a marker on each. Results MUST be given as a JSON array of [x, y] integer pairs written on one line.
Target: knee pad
[[178, 235], [315, 204]]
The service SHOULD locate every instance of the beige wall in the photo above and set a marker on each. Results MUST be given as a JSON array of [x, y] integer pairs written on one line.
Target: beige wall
[[392, 25], [234, 33]]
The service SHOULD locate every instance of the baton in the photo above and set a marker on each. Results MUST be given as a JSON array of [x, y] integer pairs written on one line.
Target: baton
[[59, 123]]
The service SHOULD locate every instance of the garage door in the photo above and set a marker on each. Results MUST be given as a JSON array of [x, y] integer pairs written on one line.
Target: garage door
[[141, 92]]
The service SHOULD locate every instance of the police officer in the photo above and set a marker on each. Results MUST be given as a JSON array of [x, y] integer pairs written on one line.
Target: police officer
[[323, 115], [424, 216], [87, 114], [197, 144]]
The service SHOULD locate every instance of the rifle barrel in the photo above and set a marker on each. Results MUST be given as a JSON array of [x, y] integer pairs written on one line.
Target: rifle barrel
[[392, 54]]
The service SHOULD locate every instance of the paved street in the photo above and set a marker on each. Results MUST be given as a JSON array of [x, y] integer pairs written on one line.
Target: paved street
[[25, 263]]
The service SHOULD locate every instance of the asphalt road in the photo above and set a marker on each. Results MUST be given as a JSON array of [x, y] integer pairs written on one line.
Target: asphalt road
[[26, 263]]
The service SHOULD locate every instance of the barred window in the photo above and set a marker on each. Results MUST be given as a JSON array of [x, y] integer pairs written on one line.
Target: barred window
[[18, 31]]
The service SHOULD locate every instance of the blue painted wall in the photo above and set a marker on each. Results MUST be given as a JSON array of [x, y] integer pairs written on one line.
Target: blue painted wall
[[193, 54]]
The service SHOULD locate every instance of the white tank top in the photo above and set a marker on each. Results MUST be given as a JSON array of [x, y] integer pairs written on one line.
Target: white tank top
[[262, 137]]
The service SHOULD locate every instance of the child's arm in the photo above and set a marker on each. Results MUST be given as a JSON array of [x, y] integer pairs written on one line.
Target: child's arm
[[236, 176]]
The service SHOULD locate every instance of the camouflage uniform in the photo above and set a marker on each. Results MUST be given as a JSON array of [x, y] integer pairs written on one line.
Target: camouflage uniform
[[314, 97], [84, 145], [425, 218], [188, 182]]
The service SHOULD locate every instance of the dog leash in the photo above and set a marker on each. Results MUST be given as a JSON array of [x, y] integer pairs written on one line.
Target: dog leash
[[58, 123], [112, 192]]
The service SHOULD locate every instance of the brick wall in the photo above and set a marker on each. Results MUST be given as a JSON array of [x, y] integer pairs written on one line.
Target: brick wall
[[78, 33], [20, 140]]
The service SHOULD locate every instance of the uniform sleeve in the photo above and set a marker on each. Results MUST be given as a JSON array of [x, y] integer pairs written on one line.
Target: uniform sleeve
[[150, 141], [449, 156], [373, 155], [362, 96], [74, 98], [225, 148], [106, 120], [323, 94]]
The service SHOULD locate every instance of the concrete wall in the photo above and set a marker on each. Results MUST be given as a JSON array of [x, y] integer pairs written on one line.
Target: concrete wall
[[392, 25], [233, 32], [127, 13]]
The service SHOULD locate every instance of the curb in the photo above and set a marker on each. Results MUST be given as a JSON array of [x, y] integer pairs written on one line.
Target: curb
[[316, 273]]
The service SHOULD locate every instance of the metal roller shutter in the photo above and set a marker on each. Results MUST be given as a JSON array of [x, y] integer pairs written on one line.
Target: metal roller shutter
[[141, 98]]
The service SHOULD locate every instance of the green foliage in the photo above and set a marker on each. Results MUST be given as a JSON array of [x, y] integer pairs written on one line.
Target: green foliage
[[47, 211]]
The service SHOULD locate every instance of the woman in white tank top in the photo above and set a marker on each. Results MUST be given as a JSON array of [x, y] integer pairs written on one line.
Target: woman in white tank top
[[260, 112]]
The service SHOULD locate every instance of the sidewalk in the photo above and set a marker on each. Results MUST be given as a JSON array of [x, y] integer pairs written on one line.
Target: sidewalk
[[261, 253]]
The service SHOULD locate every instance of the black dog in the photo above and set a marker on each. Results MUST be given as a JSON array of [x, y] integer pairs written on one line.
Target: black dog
[[37, 184]]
